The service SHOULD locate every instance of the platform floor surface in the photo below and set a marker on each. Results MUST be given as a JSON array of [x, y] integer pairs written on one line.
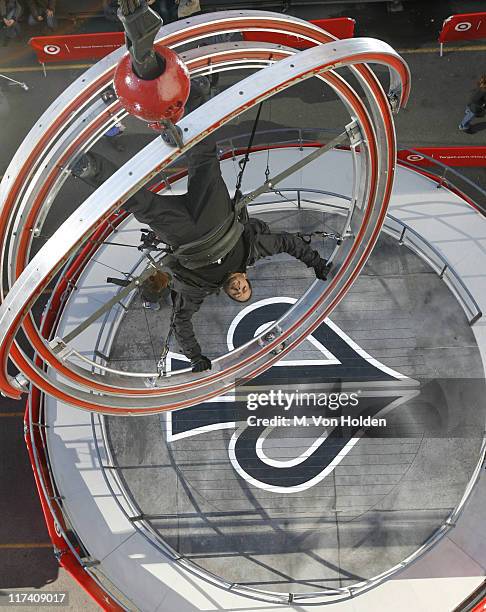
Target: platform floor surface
[[305, 508]]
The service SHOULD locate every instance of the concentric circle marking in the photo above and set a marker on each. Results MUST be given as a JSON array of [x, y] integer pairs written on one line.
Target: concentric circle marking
[[52, 49]]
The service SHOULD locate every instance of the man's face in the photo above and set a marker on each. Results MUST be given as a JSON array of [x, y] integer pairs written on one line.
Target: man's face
[[238, 287]]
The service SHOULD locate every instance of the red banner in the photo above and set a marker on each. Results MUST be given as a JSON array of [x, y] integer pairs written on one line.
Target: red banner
[[76, 47], [450, 156], [340, 27], [467, 26]]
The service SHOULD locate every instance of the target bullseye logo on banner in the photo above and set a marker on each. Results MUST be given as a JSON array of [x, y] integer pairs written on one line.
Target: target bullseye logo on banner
[[464, 26], [52, 49], [414, 158]]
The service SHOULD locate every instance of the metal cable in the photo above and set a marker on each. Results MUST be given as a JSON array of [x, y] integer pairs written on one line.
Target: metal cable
[[246, 159]]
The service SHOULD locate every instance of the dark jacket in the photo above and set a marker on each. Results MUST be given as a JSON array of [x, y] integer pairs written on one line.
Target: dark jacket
[[180, 219], [10, 9], [477, 102], [192, 289]]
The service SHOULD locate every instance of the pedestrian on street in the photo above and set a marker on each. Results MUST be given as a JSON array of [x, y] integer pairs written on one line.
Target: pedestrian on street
[[476, 105], [10, 12], [42, 11]]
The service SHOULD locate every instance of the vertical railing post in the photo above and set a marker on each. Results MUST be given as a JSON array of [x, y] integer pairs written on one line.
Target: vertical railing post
[[442, 178]]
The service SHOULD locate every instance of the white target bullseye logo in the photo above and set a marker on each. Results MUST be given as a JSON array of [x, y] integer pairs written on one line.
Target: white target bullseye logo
[[52, 49], [414, 158], [464, 26]]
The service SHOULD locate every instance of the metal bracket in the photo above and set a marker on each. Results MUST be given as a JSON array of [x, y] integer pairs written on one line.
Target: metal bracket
[[40, 425], [135, 519], [89, 562], [60, 348], [394, 100], [151, 383], [270, 336], [22, 382], [171, 133], [354, 133], [59, 553]]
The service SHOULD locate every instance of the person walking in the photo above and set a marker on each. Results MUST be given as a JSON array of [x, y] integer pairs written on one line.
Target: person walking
[[42, 12], [476, 105], [10, 12]]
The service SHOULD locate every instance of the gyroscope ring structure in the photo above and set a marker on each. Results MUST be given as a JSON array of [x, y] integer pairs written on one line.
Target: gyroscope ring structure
[[78, 118]]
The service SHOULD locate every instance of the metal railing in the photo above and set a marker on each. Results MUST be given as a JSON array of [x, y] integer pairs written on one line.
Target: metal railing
[[438, 262], [303, 198], [445, 175], [406, 236], [451, 178]]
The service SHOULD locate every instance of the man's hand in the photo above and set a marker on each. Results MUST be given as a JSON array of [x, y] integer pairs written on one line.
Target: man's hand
[[50, 13], [200, 363], [322, 269]]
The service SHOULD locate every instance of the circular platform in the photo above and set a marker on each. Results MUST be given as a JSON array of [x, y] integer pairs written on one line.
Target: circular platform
[[184, 511], [303, 508]]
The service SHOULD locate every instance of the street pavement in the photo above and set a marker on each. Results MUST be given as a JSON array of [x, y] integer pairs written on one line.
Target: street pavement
[[440, 88]]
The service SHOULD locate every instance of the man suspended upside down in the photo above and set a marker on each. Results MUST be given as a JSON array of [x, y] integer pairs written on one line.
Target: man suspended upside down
[[183, 220]]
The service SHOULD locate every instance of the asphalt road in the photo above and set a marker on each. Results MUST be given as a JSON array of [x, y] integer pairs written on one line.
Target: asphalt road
[[27, 562], [440, 88]]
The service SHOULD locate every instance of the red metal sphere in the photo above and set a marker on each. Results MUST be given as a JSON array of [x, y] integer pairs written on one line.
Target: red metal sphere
[[158, 99]]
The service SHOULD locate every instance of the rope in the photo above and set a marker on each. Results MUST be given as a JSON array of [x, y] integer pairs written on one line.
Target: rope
[[246, 159], [162, 364], [267, 169]]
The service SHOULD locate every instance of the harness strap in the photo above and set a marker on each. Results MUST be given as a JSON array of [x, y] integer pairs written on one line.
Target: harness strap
[[219, 242], [213, 246]]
